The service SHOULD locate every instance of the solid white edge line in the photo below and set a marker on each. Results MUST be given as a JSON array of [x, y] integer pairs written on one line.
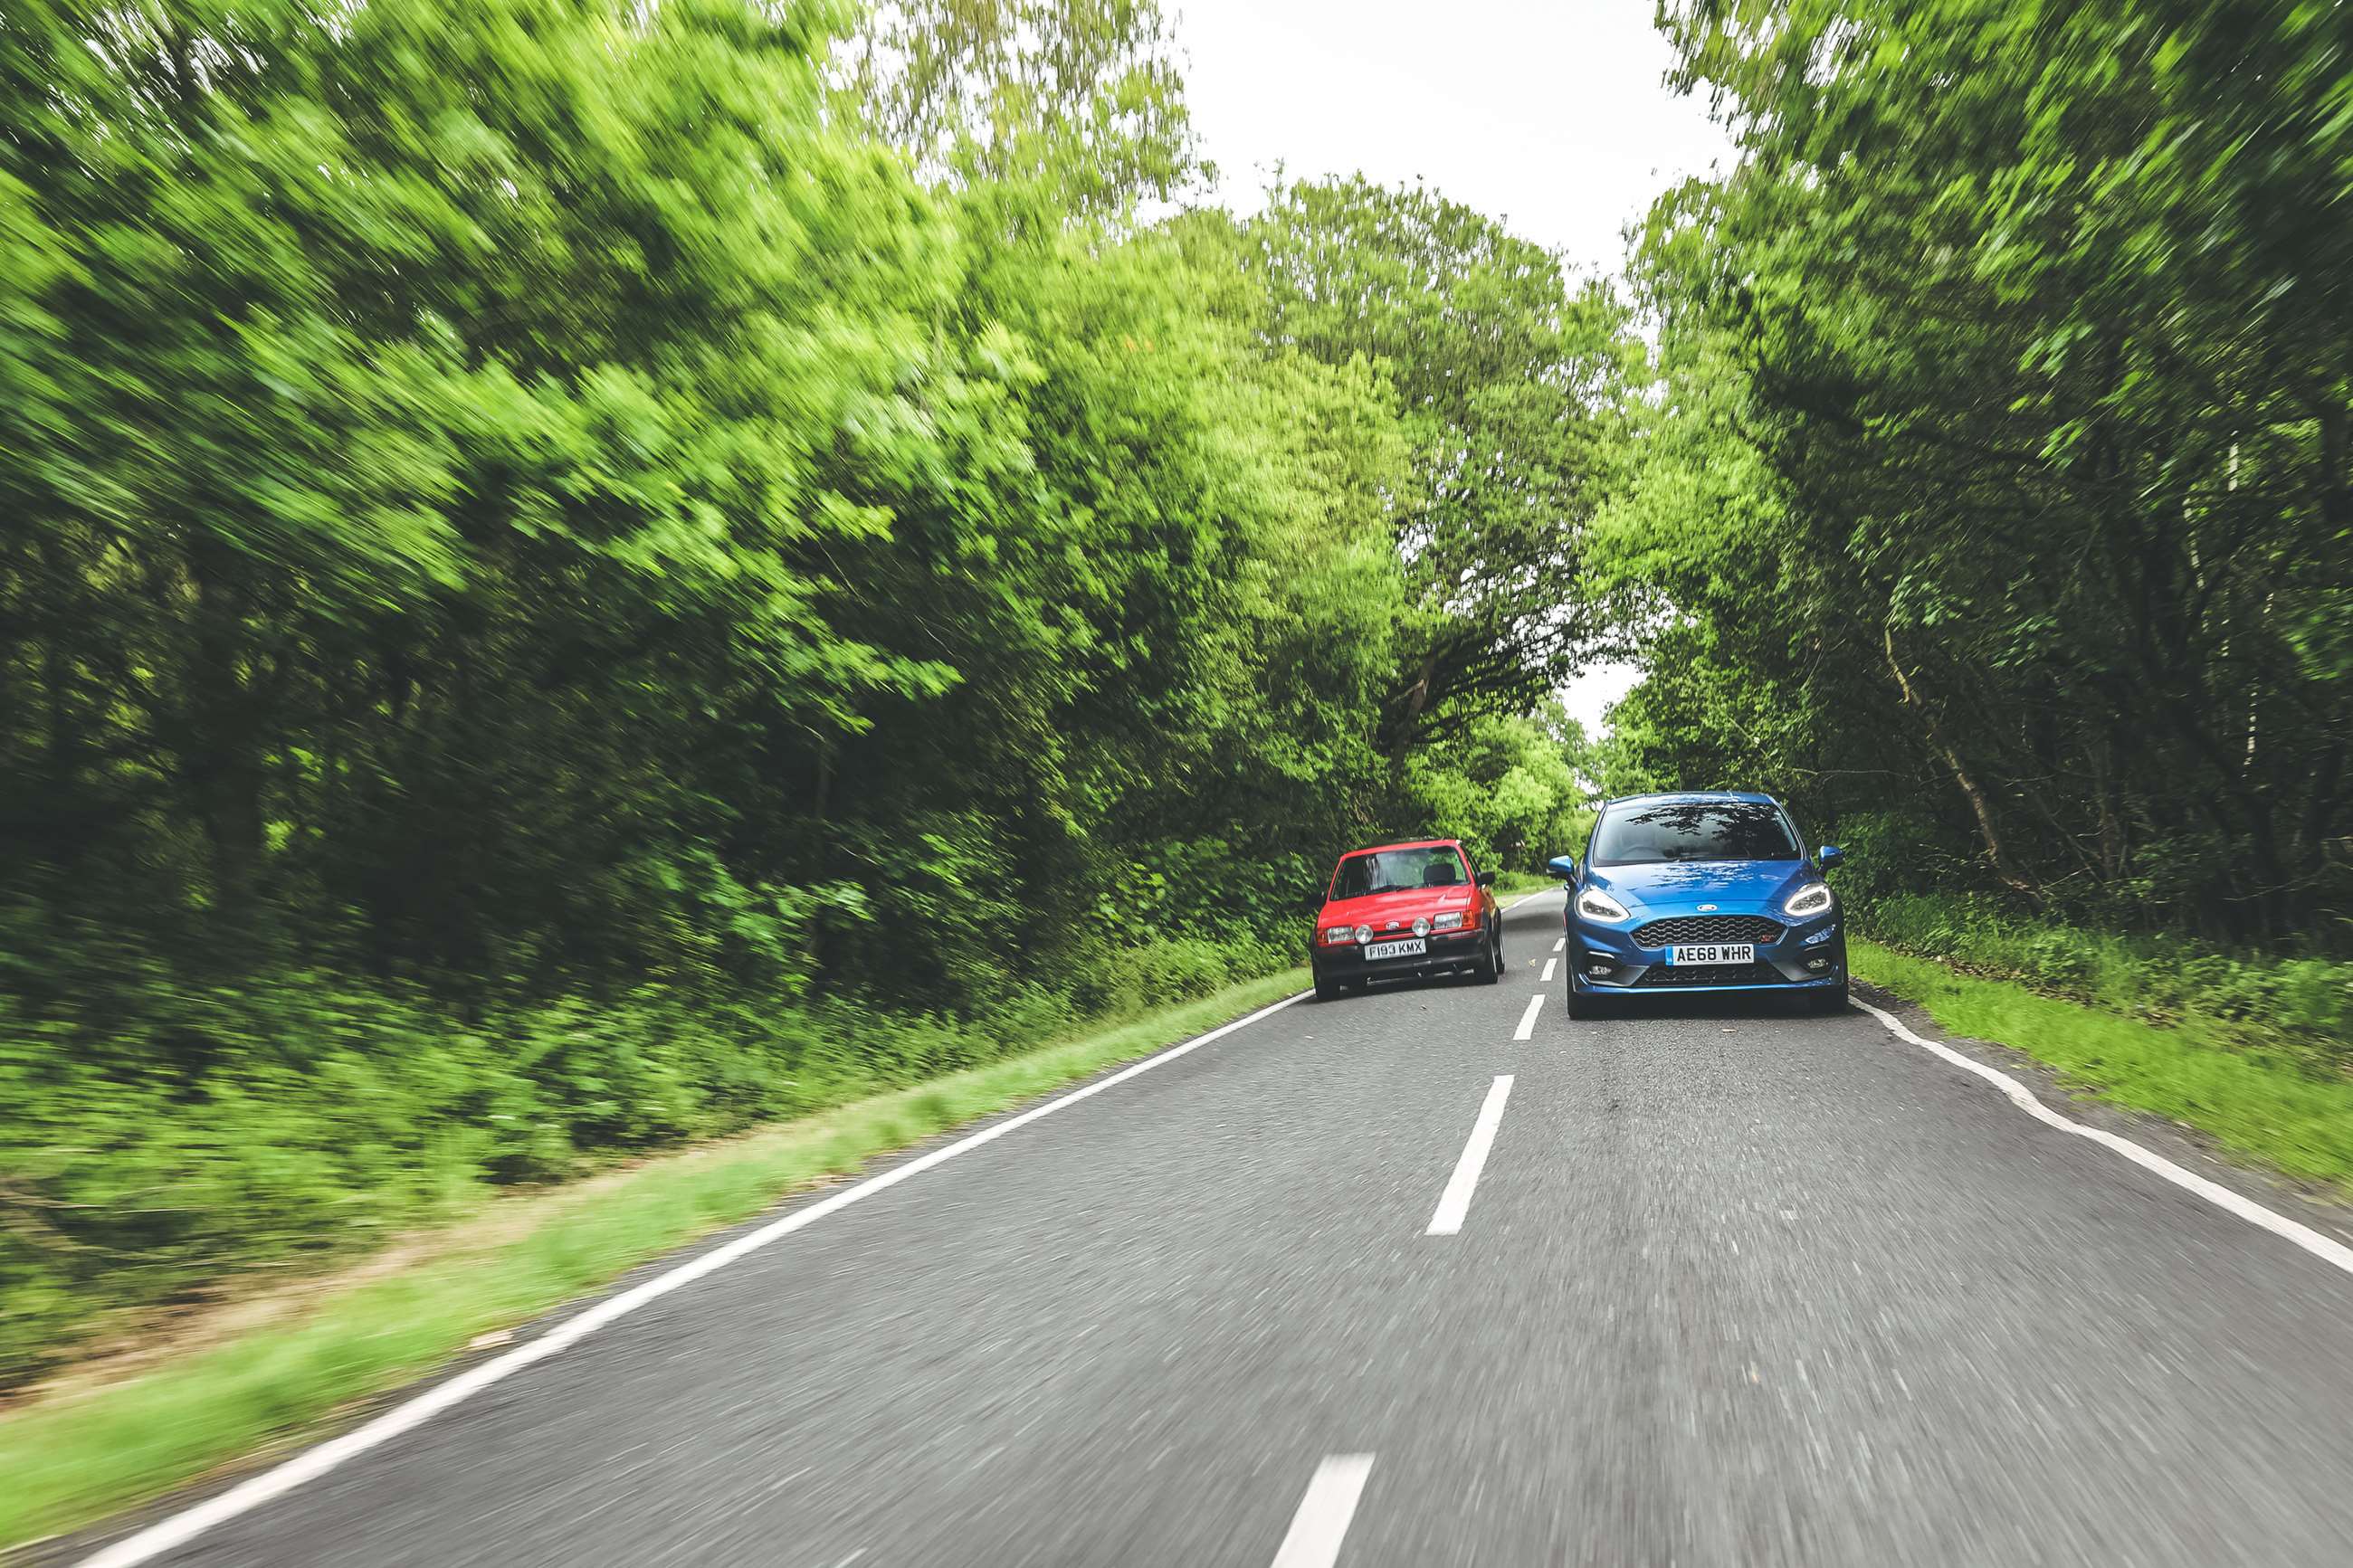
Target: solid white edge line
[[1550, 965], [2326, 1248], [166, 1534], [1454, 1203], [1527, 1029], [1321, 1522]]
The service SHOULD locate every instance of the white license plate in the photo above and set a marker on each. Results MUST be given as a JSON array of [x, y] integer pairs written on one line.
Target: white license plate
[[1412, 947], [1713, 952]]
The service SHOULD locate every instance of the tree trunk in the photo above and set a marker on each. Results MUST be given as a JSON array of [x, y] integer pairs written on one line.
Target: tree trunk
[[221, 761], [2011, 876]]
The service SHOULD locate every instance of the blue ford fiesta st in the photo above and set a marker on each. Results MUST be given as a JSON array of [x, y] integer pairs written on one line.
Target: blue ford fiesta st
[[1702, 892]]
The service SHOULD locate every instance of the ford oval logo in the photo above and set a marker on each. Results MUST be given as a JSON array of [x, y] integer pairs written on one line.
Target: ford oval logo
[[1706, 908]]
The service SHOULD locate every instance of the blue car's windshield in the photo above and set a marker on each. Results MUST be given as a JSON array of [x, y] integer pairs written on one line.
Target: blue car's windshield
[[1646, 835]]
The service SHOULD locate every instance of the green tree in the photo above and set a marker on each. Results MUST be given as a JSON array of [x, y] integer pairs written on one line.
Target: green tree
[[566, 585], [2028, 350], [1508, 377], [1085, 94]]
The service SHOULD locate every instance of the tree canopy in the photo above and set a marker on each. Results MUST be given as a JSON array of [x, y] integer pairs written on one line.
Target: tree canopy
[[1999, 483], [554, 546], [1509, 378]]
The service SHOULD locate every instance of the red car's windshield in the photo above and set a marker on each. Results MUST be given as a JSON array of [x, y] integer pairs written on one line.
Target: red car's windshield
[[1389, 870]]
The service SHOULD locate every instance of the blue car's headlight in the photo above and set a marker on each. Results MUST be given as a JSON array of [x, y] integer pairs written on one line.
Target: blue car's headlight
[[1596, 905], [1813, 899]]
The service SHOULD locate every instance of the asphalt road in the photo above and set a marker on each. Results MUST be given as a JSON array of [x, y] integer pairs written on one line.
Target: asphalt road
[[1731, 1287]]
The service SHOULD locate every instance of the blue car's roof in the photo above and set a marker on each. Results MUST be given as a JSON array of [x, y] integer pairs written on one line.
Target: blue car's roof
[[1698, 794]]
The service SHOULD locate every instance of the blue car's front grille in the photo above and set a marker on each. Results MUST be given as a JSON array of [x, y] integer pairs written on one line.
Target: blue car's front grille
[[1707, 928], [1662, 974]]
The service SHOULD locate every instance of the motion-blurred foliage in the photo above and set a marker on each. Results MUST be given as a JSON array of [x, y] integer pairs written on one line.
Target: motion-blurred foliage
[[577, 573], [2001, 483]]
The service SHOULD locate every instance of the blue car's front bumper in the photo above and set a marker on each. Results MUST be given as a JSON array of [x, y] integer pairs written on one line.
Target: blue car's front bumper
[[1612, 958]]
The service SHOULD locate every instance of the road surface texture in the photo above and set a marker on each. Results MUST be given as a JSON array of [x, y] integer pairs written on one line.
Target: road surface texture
[[1728, 1287]]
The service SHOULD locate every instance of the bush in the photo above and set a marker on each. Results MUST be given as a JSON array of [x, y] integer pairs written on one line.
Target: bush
[[2305, 1002], [160, 1135], [1167, 970]]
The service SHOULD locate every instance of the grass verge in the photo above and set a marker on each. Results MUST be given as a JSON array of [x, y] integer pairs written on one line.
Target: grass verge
[[2265, 999], [2266, 1105], [1514, 884], [76, 1454]]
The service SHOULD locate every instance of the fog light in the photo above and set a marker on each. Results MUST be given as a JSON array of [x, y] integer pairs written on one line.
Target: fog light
[[1818, 963], [1599, 969]]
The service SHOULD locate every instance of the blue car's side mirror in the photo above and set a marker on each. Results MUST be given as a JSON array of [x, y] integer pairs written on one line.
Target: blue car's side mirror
[[1829, 856], [1564, 867]]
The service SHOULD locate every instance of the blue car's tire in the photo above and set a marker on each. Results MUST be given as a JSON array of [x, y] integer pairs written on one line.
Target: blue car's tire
[[1833, 1000]]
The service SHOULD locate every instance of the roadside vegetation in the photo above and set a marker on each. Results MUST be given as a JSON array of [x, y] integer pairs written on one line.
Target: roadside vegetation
[[1997, 510], [284, 1361], [582, 576], [2253, 1050], [2301, 1007], [1998, 504], [2259, 1097]]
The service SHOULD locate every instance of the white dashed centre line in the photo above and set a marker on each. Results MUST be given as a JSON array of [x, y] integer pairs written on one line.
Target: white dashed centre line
[[1455, 1202], [1527, 1029], [1321, 1522], [1546, 975], [1559, 943]]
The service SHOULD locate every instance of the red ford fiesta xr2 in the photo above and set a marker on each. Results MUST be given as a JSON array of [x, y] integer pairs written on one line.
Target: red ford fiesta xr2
[[1406, 909]]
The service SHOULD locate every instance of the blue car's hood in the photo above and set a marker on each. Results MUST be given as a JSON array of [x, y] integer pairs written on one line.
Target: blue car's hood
[[1679, 884]]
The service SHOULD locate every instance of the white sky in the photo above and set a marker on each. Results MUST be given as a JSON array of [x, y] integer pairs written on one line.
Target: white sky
[[1552, 116]]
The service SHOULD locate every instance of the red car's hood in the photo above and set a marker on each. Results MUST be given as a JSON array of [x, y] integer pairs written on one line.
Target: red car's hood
[[1400, 905]]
